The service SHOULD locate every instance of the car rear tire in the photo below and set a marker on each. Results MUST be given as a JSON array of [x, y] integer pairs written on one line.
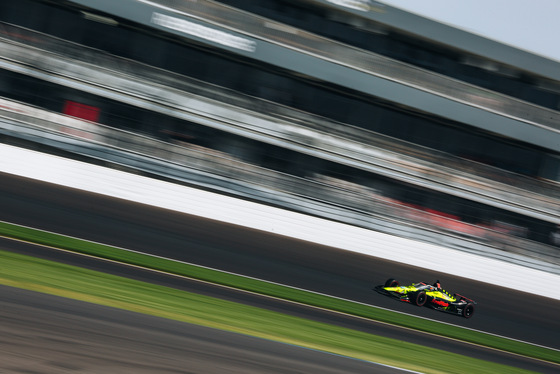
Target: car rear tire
[[468, 310], [419, 298], [391, 283]]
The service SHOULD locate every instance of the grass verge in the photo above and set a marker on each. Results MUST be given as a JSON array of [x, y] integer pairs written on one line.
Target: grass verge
[[77, 283], [265, 288]]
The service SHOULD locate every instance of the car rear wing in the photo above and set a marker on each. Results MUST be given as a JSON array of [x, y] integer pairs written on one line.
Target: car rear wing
[[461, 297]]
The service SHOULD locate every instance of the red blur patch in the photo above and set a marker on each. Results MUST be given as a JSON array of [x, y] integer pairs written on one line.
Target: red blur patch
[[83, 111]]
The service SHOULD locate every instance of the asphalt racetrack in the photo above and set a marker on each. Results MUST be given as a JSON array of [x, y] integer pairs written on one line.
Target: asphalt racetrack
[[501, 311], [49, 334]]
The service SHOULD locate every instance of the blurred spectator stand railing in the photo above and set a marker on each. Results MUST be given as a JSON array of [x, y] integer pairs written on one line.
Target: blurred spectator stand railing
[[213, 106], [369, 62], [328, 197]]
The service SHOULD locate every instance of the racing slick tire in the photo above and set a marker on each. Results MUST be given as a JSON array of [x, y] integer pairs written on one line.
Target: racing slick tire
[[391, 283], [468, 310], [419, 298]]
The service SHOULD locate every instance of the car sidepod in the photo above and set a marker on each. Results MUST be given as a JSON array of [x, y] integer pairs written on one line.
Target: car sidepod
[[440, 300], [455, 304]]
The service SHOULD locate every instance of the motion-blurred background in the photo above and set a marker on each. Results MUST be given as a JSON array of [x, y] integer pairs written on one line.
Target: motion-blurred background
[[352, 110]]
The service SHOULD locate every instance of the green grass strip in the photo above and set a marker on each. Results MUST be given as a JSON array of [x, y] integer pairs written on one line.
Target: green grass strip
[[54, 278], [283, 292]]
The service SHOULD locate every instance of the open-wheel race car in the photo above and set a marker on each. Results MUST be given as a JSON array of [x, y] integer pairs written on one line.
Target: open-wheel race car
[[431, 295]]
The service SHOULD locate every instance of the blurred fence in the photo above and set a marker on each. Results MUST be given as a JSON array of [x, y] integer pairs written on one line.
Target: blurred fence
[[178, 96], [322, 196]]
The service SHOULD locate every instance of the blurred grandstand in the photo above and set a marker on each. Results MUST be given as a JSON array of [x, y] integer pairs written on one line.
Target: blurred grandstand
[[339, 104]]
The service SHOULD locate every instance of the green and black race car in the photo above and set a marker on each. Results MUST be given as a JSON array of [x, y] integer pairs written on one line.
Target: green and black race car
[[433, 296]]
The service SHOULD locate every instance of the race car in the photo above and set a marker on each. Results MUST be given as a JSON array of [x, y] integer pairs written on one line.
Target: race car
[[431, 295]]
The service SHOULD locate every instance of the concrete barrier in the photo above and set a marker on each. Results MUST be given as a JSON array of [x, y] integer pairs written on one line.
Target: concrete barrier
[[188, 200]]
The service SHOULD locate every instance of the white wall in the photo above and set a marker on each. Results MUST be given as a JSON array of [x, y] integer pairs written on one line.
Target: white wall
[[188, 200]]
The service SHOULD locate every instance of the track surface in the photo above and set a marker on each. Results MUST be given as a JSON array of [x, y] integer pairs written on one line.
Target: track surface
[[353, 323], [266, 256], [49, 334]]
